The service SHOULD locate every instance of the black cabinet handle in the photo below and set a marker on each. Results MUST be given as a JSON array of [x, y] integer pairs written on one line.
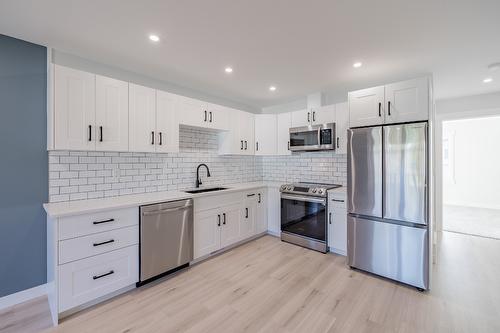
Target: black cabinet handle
[[338, 144], [205, 115], [246, 213], [330, 218], [218, 220], [309, 117], [250, 195], [95, 277], [380, 109], [389, 108], [337, 200], [246, 145], [161, 138], [257, 146], [241, 148], [90, 132], [100, 133], [259, 198], [210, 116], [314, 115], [288, 145], [106, 242], [152, 137], [103, 221], [224, 218]]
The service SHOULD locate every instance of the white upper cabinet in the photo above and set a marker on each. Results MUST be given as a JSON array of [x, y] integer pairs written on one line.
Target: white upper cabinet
[[167, 127], [142, 118], [111, 114], [239, 140], [217, 117], [191, 112], [398, 102], [301, 118], [407, 101], [265, 134], [341, 126], [366, 107], [284, 121], [74, 109], [323, 115]]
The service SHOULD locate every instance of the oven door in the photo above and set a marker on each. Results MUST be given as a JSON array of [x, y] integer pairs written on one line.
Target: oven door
[[304, 138], [304, 216]]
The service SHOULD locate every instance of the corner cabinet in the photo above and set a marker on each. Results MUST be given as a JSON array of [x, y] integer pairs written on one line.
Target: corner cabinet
[[284, 121], [239, 140], [341, 127], [399, 102], [201, 114]]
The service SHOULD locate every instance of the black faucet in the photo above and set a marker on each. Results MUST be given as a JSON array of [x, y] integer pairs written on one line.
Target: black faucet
[[198, 180]]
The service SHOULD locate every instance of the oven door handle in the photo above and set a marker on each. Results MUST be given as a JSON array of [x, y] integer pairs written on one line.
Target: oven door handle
[[304, 198]]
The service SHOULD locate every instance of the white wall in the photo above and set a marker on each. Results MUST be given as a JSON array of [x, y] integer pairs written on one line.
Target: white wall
[[471, 162]]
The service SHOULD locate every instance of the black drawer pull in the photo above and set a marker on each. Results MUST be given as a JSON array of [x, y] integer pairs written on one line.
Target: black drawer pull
[[250, 195], [103, 221], [95, 277], [337, 200], [106, 242]]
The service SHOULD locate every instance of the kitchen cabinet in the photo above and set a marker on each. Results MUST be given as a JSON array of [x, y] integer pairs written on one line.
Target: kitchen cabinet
[[248, 216], [284, 122], [167, 127], [230, 232], [197, 113], [337, 222], [404, 101], [407, 101], [274, 210], [265, 134], [314, 116], [111, 114], [142, 118], [74, 109], [207, 234], [341, 127], [261, 211], [301, 118], [366, 107], [239, 140]]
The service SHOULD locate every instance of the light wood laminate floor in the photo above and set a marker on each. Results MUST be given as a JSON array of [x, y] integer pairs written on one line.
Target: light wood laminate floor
[[270, 286]]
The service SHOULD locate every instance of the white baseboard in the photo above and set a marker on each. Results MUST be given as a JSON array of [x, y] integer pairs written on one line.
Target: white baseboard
[[23, 296]]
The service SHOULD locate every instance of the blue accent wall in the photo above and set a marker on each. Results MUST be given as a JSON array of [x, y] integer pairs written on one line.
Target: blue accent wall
[[23, 164]]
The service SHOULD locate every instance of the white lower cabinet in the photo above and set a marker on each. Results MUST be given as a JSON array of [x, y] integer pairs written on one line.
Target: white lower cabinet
[[217, 226], [337, 222], [85, 280]]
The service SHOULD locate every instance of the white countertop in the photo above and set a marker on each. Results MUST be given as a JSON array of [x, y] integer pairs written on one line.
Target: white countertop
[[68, 208]]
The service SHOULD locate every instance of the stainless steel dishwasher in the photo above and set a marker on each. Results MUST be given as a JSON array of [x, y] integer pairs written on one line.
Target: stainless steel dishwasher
[[166, 238]]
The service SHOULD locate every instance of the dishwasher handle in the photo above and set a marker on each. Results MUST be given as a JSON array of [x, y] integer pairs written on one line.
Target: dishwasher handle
[[167, 210]]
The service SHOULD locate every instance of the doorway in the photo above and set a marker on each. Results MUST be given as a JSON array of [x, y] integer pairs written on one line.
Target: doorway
[[471, 176]]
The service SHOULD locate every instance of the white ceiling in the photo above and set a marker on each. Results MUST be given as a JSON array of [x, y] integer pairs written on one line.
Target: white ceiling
[[299, 46]]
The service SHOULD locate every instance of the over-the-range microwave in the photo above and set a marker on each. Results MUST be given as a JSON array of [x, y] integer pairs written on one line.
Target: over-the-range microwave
[[313, 137]]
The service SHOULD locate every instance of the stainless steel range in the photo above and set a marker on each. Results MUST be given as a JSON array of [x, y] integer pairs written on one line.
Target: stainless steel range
[[304, 214]]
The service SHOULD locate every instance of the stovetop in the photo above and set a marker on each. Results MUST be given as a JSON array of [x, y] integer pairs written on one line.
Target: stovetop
[[307, 188]]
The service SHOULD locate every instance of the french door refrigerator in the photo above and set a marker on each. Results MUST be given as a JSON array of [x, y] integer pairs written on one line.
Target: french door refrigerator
[[387, 221]]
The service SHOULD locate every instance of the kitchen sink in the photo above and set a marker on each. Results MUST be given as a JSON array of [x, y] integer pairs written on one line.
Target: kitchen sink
[[203, 190]]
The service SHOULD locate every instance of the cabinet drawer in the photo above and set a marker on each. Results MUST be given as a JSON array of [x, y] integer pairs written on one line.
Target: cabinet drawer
[[85, 280], [81, 225], [337, 202], [91, 245], [214, 201]]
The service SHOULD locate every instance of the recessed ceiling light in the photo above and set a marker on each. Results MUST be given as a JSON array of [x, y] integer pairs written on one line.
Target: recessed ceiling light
[[228, 70], [357, 64], [154, 38], [488, 80], [272, 88]]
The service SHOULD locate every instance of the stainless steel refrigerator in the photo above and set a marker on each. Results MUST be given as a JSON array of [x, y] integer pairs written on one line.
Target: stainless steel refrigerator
[[387, 221]]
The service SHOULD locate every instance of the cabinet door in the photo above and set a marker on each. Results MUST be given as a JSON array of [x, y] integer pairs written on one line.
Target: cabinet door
[[74, 109], [342, 125], [265, 134], [284, 122], [142, 118], [247, 129], [261, 212], [217, 117], [192, 112], [111, 114], [323, 115], [301, 118], [337, 225], [407, 101], [366, 107], [248, 213], [231, 142], [230, 230], [207, 232], [167, 128]]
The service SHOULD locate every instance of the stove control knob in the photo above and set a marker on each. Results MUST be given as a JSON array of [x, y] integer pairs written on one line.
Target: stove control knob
[[289, 188], [320, 191], [313, 190]]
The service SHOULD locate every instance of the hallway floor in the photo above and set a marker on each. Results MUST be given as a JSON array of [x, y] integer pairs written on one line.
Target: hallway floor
[[472, 221]]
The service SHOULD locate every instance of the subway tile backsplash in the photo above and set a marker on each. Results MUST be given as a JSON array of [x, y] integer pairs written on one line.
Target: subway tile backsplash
[[75, 175]]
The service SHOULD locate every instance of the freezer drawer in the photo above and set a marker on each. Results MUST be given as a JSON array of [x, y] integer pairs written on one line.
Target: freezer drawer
[[390, 250]]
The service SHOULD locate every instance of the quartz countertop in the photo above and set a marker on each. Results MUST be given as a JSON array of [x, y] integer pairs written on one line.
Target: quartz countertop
[[69, 208]]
